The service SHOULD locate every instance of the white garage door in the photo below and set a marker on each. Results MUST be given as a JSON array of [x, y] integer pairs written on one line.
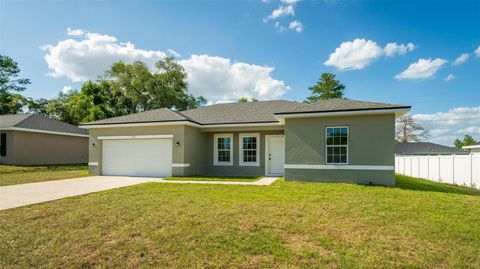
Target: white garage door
[[137, 157]]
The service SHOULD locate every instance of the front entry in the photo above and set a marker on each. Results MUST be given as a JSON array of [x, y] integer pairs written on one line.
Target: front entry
[[274, 154]]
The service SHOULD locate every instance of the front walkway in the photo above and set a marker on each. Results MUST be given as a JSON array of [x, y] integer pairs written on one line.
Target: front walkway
[[264, 181], [32, 193]]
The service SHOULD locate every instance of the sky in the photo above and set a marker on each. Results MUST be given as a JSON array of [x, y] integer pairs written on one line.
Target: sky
[[420, 53]]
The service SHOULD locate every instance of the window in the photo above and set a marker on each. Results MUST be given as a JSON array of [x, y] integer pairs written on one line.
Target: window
[[337, 145], [249, 145], [3, 144], [222, 153]]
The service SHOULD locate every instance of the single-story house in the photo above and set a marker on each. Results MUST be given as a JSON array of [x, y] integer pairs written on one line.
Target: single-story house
[[336, 140], [475, 148], [30, 139], [426, 148]]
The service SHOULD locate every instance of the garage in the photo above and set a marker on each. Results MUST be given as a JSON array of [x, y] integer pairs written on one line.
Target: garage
[[137, 157]]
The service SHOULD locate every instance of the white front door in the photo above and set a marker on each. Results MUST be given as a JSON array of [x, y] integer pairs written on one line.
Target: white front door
[[137, 157], [275, 154]]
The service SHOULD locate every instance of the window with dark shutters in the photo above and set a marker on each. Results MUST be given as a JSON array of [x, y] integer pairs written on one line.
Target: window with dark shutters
[[3, 144]]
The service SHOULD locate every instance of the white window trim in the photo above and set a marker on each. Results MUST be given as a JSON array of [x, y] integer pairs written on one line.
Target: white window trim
[[240, 149], [326, 146], [215, 149]]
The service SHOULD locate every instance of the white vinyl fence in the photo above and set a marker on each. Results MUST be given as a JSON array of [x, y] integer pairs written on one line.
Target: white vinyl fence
[[455, 169]]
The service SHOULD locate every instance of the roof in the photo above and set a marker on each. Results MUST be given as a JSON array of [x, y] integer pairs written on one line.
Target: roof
[[39, 123], [340, 104], [247, 112], [156, 115], [472, 146], [425, 148]]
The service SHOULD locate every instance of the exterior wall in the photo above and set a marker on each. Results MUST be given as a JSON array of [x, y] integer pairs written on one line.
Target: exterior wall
[[178, 132], [196, 146], [236, 169], [29, 148], [195, 149], [371, 142], [10, 158]]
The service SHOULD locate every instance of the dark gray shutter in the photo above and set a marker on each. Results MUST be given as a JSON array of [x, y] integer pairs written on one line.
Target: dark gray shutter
[[3, 144]]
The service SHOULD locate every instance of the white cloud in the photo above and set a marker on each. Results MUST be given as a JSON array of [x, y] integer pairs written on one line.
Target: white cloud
[[354, 54], [220, 80], [290, 2], [75, 32], [422, 69], [359, 53], [445, 127], [461, 59], [392, 49], [173, 53], [279, 27], [280, 12], [90, 56], [449, 77], [477, 52], [296, 26], [216, 78], [66, 89]]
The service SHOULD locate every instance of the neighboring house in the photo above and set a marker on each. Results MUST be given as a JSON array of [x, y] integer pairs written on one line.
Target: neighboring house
[[336, 140], [426, 148], [475, 148], [30, 139]]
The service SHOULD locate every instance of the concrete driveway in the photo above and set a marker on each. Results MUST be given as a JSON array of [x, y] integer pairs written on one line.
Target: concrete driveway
[[32, 193]]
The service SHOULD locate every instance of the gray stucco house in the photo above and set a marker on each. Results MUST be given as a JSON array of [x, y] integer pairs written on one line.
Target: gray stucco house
[[336, 140], [30, 139]]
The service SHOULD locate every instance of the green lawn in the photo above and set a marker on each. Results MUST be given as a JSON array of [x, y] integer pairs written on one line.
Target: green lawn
[[217, 178], [10, 175], [409, 183], [285, 225]]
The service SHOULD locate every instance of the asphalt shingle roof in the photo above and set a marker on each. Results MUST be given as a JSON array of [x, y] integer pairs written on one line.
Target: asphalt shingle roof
[[260, 111], [156, 115], [425, 148], [38, 122], [248, 112], [340, 104]]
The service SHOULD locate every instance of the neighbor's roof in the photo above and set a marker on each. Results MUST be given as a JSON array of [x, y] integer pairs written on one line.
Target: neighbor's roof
[[248, 112], [425, 148], [472, 146], [38, 122]]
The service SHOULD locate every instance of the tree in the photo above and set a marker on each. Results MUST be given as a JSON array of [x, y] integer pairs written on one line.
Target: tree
[[327, 87], [245, 99], [467, 140], [138, 89], [410, 131], [10, 101], [37, 106]]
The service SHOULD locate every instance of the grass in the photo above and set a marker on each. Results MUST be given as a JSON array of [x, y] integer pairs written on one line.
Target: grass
[[285, 225], [409, 183], [10, 175], [217, 178]]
